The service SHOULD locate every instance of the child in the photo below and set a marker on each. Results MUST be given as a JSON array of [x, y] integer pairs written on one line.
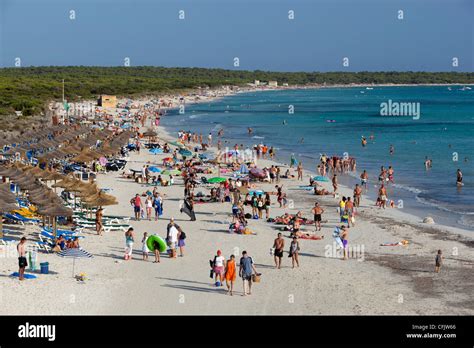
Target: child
[[181, 243], [230, 274], [438, 261], [144, 247], [156, 251]]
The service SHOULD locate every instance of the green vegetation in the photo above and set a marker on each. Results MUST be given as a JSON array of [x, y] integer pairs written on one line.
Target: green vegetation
[[28, 89]]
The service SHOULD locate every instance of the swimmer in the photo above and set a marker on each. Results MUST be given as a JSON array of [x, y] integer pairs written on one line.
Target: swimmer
[[364, 141], [249, 130], [459, 178], [392, 149]]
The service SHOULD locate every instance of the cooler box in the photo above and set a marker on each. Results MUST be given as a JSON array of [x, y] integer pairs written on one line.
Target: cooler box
[[44, 267]]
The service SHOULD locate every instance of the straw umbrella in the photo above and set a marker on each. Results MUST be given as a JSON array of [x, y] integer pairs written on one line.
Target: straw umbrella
[[5, 207], [83, 157], [55, 211], [150, 133], [7, 203]]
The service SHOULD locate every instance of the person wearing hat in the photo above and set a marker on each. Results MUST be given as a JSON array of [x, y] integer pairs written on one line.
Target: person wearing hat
[[219, 268], [173, 231]]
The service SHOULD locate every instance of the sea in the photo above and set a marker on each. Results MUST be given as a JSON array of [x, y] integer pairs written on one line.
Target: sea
[[432, 121]]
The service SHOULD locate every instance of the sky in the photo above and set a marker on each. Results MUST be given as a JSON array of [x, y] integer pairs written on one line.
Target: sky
[[257, 32]]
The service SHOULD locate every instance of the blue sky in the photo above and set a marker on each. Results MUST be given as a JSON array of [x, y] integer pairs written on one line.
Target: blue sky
[[258, 32]]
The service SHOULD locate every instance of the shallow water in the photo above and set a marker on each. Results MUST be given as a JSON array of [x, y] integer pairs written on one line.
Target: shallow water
[[333, 120]]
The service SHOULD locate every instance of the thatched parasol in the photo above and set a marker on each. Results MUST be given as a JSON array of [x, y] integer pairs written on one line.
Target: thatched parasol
[[83, 157], [99, 200], [55, 211], [4, 208]]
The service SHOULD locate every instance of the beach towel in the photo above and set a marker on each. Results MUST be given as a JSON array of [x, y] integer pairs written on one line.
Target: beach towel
[[312, 237], [403, 242], [188, 211], [26, 275]]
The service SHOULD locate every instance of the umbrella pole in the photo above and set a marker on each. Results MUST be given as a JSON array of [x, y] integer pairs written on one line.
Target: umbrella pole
[[1, 225], [55, 226]]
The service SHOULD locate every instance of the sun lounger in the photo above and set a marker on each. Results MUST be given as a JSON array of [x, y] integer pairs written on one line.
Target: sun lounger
[[44, 246], [26, 219]]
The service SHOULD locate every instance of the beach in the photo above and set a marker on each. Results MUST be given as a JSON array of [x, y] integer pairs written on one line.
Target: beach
[[396, 280]]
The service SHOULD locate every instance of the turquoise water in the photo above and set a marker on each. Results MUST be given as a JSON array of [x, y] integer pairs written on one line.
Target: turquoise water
[[443, 131]]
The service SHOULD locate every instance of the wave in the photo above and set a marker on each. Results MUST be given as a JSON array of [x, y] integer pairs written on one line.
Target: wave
[[257, 137], [466, 220], [197, 115], [441, 206], [408, 188]]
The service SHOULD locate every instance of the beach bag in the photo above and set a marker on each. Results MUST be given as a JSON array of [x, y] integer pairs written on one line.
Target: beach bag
[[255, 217], [256, 277], [248, 216]]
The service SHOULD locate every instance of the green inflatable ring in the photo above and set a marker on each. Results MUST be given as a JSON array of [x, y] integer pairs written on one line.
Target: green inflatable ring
[[154, 238]]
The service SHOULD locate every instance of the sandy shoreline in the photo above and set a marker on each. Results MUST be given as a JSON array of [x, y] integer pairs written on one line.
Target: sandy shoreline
[[387, 280]]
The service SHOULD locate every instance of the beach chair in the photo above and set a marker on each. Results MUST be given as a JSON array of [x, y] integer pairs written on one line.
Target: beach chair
[[44, 246], [26, 219], [7, 240]]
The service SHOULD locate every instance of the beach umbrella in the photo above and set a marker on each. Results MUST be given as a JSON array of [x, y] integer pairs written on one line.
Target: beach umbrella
[[216, 179], [55, 211], [99, 200], [243, 169], [171, 172], [154, 169], [102, 161], [74, 253], [207, 156], [321, 178], [5, 208], [175, 143], [185, 152], [166, 159], [156, 151], [257, 173], [83, 157]]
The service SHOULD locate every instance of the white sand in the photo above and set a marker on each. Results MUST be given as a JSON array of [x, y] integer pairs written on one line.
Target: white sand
[[389, 280]]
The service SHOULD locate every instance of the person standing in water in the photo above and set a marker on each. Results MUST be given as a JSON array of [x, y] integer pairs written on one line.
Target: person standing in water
[[390, 173], [364, 178], [459, 178], [428, 163], [392, 150]]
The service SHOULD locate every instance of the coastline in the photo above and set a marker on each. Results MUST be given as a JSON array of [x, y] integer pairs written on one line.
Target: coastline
[[416, 202], [382, 280]]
